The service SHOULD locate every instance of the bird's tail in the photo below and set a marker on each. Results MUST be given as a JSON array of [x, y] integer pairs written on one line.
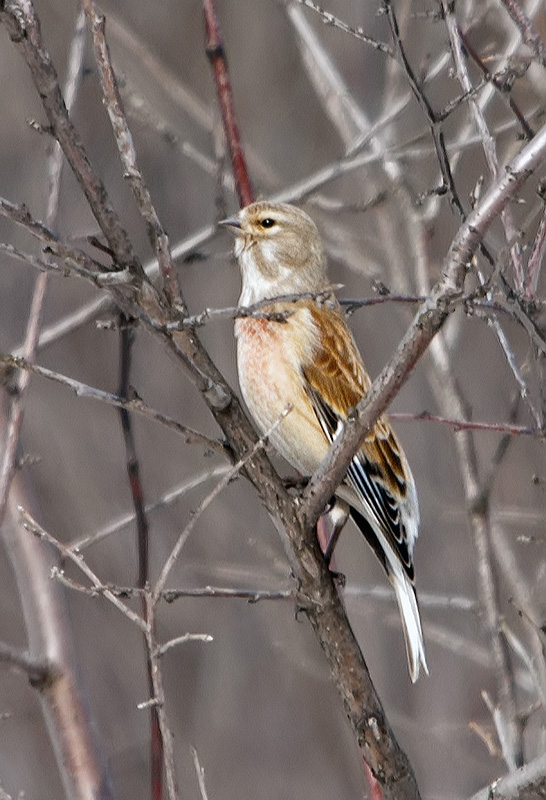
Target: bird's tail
[[411, 621]]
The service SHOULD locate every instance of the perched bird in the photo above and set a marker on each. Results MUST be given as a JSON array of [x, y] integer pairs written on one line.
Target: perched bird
[[306, 356]]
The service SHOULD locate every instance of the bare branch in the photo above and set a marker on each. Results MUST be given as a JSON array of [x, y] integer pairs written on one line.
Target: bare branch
[[186, 637], [171, 496], [529, 33], [220, 486], [134, 404], [200, 772], [536, 258], [335, 22], [30, 524], [217, 57], [527, 783], [24, 29], [158, 237]]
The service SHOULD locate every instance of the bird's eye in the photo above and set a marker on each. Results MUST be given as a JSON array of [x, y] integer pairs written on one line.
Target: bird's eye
[[267, 222]]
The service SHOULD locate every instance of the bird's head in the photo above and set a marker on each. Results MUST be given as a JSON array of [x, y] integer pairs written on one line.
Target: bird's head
[[279, 250]]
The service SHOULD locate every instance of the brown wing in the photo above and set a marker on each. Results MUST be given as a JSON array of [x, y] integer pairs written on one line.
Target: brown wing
[[336, 381]]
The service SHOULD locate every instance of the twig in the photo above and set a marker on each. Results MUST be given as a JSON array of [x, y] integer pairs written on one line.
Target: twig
[[220, 486], [30, 524], [487, 139], [126, 339], [124, 140], [534, 264], [158, 702], [134, 404], [72, 257], [499, 85], [529, 34], [24, 29], [529, 783], [200, 772], [171, 496], [467, 425], [335, 22], [186, 637], [217, 57]]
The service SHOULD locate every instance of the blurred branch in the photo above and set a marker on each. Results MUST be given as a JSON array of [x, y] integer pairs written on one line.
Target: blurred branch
[[200, 772], [71, 729], [527, 783], [170, 496], [335, 22], [534, 264], [38, 670], [529, 33], [488, 141], [23, 27], [216, 54]]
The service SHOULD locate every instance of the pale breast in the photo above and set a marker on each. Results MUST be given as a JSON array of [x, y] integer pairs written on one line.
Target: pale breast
[[269, 355]]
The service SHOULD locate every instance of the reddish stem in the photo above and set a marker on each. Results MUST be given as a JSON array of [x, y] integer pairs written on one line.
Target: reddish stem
[[374, 789], [216, 54]]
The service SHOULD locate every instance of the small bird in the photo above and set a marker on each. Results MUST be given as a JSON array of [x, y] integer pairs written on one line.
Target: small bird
[[300, 353]]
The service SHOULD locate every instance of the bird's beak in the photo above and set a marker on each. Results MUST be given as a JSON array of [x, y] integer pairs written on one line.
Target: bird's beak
[[232, 223]]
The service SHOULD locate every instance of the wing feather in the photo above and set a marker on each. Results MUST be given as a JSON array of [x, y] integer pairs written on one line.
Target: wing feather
[[335, 381]]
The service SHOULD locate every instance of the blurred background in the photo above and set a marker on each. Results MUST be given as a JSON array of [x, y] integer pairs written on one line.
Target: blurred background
[[257, 701]]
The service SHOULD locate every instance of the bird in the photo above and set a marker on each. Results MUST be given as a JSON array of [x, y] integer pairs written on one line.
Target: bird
[[298, 353]]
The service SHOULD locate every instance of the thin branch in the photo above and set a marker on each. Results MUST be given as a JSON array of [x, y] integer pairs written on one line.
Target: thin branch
[[170, 496], [158, 702], [200, 772], [126, 339], [186, 637], [529, 33], [487, 139], [24, 29], [220, 486], [498, 82], [73, 258], [134, 404], [30, 524], [216, 54], [335, 22], [527, 783], [468, 425], [124, 140], [534, 264]]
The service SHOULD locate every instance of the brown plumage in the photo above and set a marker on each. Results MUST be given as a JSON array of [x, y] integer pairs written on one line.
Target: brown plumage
[[310, 361]]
